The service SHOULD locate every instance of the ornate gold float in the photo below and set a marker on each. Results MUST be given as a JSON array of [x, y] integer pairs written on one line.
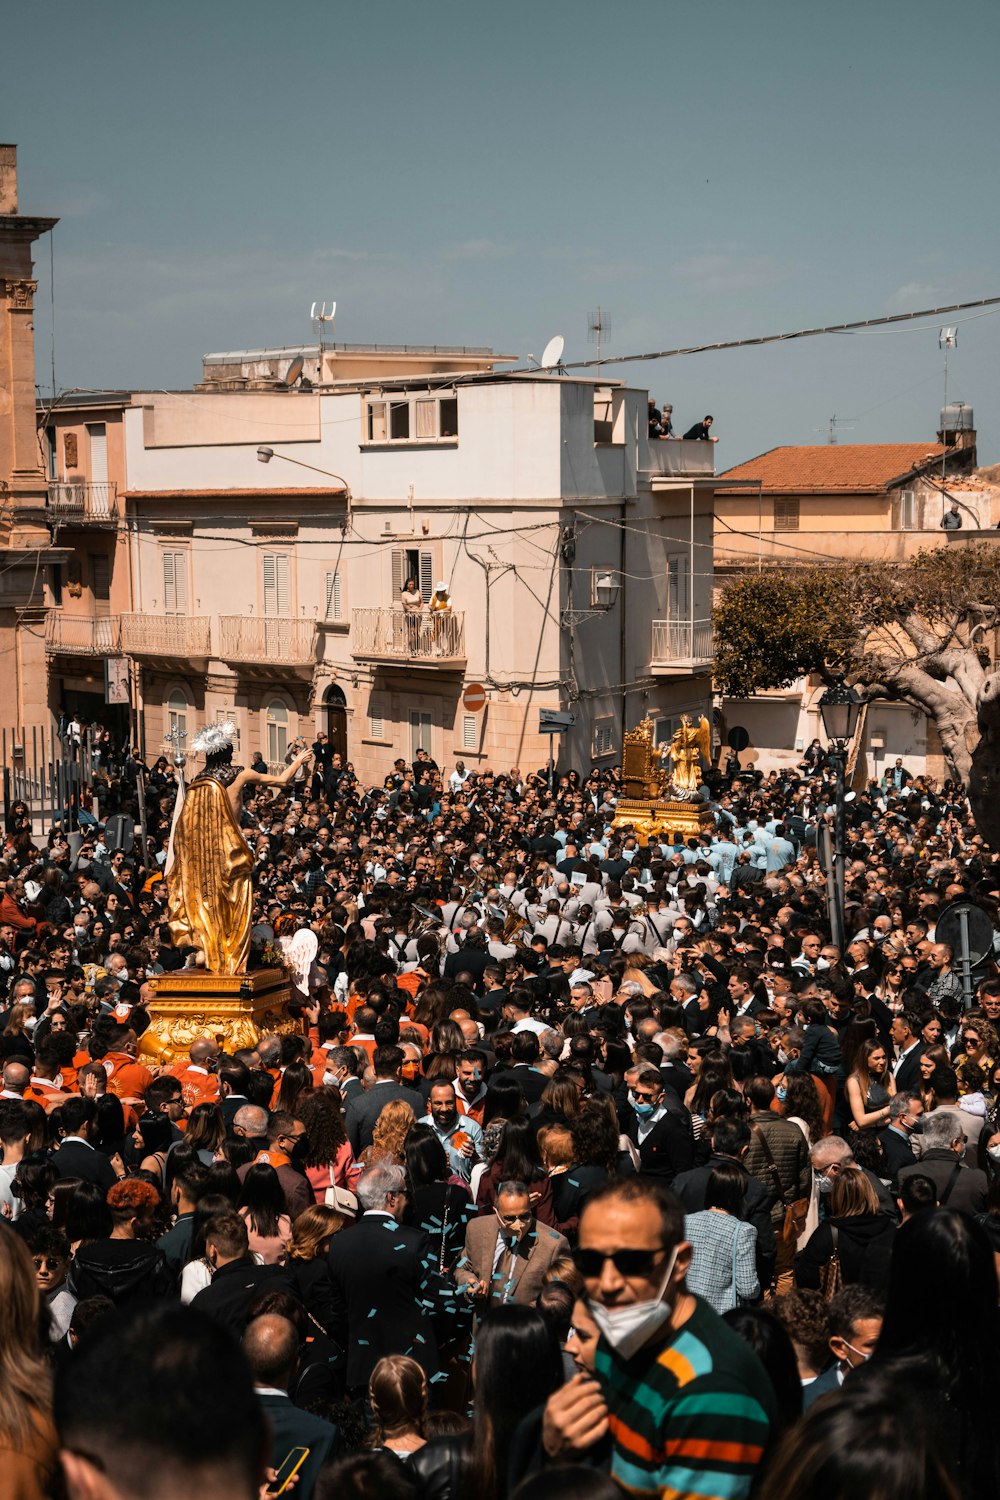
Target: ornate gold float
[[660, 788]]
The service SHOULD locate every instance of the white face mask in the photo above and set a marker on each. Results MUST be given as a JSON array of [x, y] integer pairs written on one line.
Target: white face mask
[[628, 1328], [782, 1056], [993, 1152]]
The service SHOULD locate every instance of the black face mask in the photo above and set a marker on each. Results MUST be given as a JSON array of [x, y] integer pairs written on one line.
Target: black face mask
[[300, 1151]]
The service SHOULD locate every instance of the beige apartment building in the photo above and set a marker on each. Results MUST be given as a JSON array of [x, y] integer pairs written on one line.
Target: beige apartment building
[[574, 553], [794, 506]]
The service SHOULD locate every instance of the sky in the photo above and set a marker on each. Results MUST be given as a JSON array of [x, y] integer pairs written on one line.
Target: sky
[[471, 174]]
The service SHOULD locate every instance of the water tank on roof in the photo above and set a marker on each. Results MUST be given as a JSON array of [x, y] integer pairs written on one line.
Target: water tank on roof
[[957, 417]]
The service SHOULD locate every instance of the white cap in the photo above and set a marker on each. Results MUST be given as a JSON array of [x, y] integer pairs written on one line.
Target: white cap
[[441, 588]]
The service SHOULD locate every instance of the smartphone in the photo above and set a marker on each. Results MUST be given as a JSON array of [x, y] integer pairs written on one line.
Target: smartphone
[[291, 1466]]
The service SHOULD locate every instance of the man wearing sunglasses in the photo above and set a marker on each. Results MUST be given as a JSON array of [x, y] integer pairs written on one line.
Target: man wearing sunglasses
[[506, 1254], [687, 1402]]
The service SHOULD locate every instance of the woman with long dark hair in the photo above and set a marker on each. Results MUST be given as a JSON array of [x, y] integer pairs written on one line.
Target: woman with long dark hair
[[942, 1348], [442, 1209], [518, 1160], [28, 1441], [262, 1207]]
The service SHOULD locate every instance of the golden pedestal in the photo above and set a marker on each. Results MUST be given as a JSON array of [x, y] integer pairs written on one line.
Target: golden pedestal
[[231, 1009], [659, 819]]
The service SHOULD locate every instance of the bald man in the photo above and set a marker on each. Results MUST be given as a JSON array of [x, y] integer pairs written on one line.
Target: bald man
[[271, 1348], [15, 1080], [197, 1078]]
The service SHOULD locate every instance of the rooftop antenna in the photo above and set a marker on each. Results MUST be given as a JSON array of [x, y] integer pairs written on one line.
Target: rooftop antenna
[[319, 321], [598, 329], [834, 423], [947, 339]]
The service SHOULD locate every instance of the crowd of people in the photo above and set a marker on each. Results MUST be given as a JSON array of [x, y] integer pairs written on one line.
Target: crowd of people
[[582, 1165]]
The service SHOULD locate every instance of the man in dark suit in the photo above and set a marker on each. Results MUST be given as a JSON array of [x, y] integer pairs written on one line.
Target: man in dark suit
[[524, 1051], [236, 1276], [75, 1156], [271, 1346], [364, 1109], [382, 1281], [897, 1138], [234, 1084], [905, 1034], [472, 958], [662, 1139], [507, 1253]]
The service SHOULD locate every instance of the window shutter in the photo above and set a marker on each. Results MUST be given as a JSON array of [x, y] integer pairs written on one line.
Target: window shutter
[[376, 726], [333, 597], [426, 575], [174, 583], [678, 585], [277, 598], [468, 731], [398, 564], [270, 590]]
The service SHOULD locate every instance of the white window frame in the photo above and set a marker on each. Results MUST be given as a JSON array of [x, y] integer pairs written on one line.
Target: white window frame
[[176, 707], [281, 729], [279, 564], [421, 725], [174, 565], [423, 420], [334, 612], [908, 510], [602, 740]]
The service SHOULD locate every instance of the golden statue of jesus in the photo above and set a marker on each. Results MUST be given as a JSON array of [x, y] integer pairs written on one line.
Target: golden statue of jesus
[[685, 750]]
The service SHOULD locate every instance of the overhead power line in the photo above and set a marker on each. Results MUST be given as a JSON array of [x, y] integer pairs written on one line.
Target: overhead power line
[[775, 338]]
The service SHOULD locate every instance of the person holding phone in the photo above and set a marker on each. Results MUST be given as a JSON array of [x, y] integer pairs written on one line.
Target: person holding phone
[[271, 1348]]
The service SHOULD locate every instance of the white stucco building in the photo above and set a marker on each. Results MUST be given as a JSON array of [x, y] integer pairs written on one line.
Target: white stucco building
[[576, 553]]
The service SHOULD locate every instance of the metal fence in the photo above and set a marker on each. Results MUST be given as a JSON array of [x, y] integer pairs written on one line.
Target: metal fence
[[47, 772]]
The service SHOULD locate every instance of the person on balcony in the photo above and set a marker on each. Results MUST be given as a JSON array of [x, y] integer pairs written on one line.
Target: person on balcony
[[440, 608], [412, 601], [699, 433]]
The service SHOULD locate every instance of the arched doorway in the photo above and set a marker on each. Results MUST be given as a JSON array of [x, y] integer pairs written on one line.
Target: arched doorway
[[335, 705]]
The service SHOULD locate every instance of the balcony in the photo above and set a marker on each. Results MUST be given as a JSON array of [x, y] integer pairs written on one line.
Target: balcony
[[413, 640], [681, 647], [268, 644], [81, 635], [166, 638], [72, 504], [676, 458]]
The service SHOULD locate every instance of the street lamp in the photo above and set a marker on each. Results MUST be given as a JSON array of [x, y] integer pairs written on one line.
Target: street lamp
[[264, 456], [840, 710]]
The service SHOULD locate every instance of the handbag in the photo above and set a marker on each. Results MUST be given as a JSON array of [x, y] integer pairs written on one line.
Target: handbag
[[797, 1211], [831, 1277]]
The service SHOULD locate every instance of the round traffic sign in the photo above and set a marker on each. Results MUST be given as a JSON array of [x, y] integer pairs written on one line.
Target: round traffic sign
[[474, 697], [738, 738]]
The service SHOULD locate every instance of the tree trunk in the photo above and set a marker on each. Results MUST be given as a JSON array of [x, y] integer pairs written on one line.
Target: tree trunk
[[984, 778]]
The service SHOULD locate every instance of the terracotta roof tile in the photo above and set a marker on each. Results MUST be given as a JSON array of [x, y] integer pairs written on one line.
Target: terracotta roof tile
[[834, 466]]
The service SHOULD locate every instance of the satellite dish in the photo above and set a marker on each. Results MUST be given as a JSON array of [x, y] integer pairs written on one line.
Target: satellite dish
[[553, 352], [294, 370]]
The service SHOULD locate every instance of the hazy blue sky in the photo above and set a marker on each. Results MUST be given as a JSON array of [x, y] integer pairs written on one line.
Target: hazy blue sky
[[464, 173]]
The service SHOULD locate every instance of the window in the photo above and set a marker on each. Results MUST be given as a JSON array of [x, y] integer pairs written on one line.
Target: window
[[50, 452], [376, 726], [277, 594], [227, 716], [276, 719], [786, 515], [334, 596], [176, 715], [416, 563], [679, 587], [100, 582], [175, 593], [604, 737], [418, 418], [97, 432], [420, 732], [470, 732], [906, 501]]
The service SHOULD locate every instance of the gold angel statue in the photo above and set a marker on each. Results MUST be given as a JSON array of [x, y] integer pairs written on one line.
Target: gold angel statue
[[686, 748]]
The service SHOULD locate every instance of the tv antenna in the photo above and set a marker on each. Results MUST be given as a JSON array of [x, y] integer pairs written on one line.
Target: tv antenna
[[319, 321], [831, 427], [598, 330], [947, 339]]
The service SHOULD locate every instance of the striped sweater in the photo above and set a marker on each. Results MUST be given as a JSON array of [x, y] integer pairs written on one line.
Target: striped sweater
[[690, 1415]]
